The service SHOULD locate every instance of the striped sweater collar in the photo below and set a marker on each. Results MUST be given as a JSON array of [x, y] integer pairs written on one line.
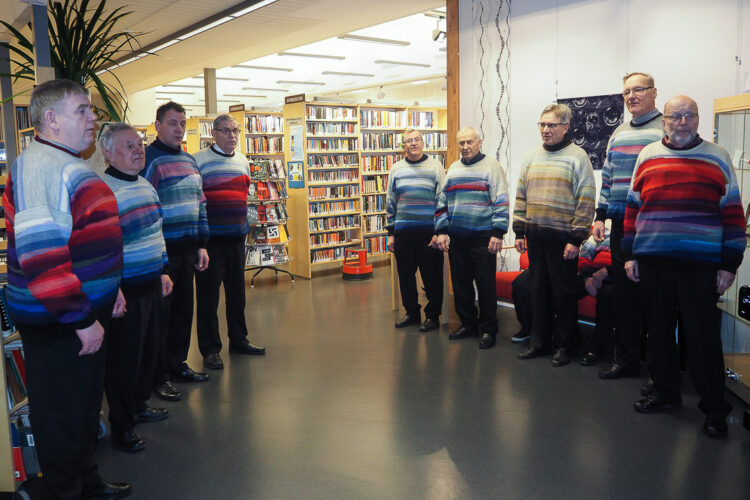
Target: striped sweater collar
[[118, 174], [57, 146], [693, 144], [424, 157], [557, 147], [165, 147], [642, 120], [219, 152], [479, 157]]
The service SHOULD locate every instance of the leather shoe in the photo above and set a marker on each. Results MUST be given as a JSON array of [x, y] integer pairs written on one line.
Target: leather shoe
[[590, 358], [151, 414], [407, 320], [429, 325], [128, 441], [247, 348], [647, 387], [462, 333], [187, 374], [616, 370], [653, 403], [213, 361], [168, 392], [560, 358], [487, 341], [716, 428], [521, 336], [110, 490], [532, 352]]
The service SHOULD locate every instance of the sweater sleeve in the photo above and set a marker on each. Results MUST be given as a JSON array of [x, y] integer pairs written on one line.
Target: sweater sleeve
[[441, 211], [603, 204], [519, 212], [390, 205], [499, 197], [585, 194], [202, 220], [734, 239], [632, 207]]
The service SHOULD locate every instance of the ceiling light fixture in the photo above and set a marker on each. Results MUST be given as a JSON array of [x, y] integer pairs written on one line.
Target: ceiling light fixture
[[265, 68], [172, 92], [206, 27], [344, 73], [225, 78], [183, 86], [319, 56], [245, 95], [264, 90], [402, 63], [381, 94], [292, 82], [372, 39]]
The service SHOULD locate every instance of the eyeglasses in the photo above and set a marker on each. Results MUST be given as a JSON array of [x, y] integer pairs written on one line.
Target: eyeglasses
[[551, 126], [677, 117], [227, 131], [635, 91], [414, 140]]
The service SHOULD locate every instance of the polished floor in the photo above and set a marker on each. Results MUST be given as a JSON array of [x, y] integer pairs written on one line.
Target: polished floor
[[344, 406]]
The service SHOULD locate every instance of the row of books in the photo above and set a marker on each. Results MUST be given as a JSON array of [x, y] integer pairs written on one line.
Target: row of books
[[268, 235], [3, 154], [25, 459], [264, 144], [205, 128], [319, 193], [266, 255], [322, 128], [266, 191], [422, 119], [330, 113], [262, 170], [23, 117], [322, 239], [372, 223], [333, 175], [381, 118], [378, 183], [376, 244], [332, 144], [379, 163], [373, 203], [25, 140], [271, 213], [333, 207], [382, 140], [15, 373], [333, 160], [270, 124], [327, 254], [6, 321], [340, 222], [435, 140]]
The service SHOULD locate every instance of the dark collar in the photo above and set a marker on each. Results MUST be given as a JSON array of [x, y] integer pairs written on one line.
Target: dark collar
[[165, 147], [558, 146], [479, 157], [219, 152], [642, 120], [424, 157], [57, 146], [118, 174], [693, 144]]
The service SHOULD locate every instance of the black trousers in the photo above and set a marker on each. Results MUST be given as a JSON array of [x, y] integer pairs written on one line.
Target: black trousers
[[414, 253], [553, 285], [227, 267], [521, 292], [628, 309], [692, 295], [178, 315], [470, 263], [65, 398], [601, 339], [132, 356]]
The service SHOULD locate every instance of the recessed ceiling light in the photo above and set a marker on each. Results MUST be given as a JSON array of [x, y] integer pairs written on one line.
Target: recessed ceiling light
[[402, 63], [265, 68], [172, 92], [183, 86], [292, 82], [371, 39], [245, 95], [419, 82], [264, 90], [225, 78], [344, 73], [228, 100], [319, 56], [205, 28], [256, 6]]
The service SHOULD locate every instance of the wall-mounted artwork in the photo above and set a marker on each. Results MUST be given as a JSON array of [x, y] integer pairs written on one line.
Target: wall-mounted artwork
[[594, 120]]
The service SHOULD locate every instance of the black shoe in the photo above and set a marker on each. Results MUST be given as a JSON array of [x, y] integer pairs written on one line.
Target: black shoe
[[521, 336], [487, 341], [150, 414], [407, 320], [110, 490], [213, 361], [532, 352], [616, 371], [168, 392], [462, 333], [590, 358], [647, 387], [247, 348], [128, 441], [429, 325], [560, 358], [187, 374], [716, 428], [654, 403]]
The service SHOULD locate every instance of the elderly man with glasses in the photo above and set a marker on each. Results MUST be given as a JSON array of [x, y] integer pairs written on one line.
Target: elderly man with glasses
[[553, 212], [226, 179], [684, 240]]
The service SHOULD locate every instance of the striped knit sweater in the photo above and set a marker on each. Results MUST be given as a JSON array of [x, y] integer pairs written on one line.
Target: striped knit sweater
[[684, 207], [175, 176], [64, 239], [626, 142], [226, 180], [473, 201], [555, 195], [144, 252], [413, 189], [594, 255]]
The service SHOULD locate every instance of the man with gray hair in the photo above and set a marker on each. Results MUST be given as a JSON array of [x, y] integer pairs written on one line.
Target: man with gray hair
[[226, 180], [471, 219], [552, 217]]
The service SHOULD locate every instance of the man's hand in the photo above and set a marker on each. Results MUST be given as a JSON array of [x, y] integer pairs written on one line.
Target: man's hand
[[521, 245], [119, 310], [600, 276], [592, 287], [570, 252], [434, 242], [391, 243], [496, 244], [598, 231], [202, 263], [631, 269], [91, 338], [724, 280], [443, 242], [166, 285]]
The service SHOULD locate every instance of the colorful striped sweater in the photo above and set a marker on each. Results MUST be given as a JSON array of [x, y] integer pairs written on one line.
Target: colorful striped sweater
[[555, 195], [226, 180], [64, 239], [413, 189], [144, 252], [594, 255], [684, 207], [626, 142], [473, 201], [175, 176]]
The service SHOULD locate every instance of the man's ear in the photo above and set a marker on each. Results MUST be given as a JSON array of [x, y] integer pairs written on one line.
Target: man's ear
[[50, 119]]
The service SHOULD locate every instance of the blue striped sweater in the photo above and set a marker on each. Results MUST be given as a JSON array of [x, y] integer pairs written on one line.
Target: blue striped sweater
[[413, 189]]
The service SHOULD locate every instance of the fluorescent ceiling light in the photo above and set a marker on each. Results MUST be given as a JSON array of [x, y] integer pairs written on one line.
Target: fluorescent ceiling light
[[361, 91], [248, 10], [319, 56], [402, 63], [227, 78], [419, 82], [264, 90], [266, 68], [344, 73], [245, 95], [183, 86], [228, 100], [172, 92], [371, 39], [291, 82], [205, 28], [163, 46]]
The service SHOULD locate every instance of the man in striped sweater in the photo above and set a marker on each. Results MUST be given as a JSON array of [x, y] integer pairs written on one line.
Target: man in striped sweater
[[413, 186], [626, 142], [554, 209], [175, 176], [133, 344], [226, 179], [64, 267], [471, 218], [684, 240]]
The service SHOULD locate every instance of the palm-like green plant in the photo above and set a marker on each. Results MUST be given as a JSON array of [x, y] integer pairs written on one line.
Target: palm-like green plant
[[83, 44]]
